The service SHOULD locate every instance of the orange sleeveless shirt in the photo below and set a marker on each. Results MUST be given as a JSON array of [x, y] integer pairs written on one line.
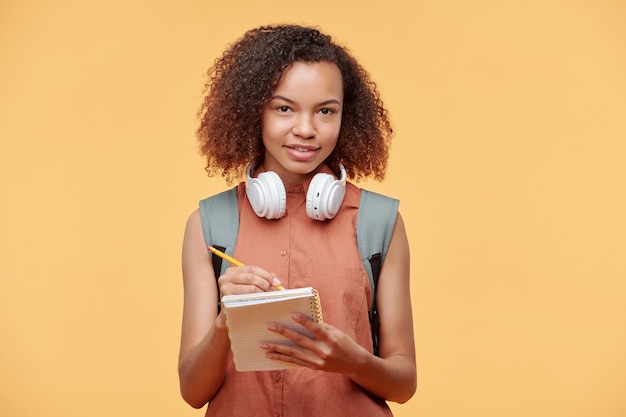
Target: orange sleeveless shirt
[[305, 253]]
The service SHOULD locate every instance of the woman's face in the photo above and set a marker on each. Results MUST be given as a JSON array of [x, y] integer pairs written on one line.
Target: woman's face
[[301, 121]]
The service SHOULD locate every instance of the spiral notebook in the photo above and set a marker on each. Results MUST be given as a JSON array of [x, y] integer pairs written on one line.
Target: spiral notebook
[[247, 316]]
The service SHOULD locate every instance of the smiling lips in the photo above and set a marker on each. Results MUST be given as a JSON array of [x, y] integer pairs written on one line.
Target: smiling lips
[[302, 153], [302, 148]]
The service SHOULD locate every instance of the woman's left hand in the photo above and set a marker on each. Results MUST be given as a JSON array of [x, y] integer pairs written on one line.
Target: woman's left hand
[[328, 349]]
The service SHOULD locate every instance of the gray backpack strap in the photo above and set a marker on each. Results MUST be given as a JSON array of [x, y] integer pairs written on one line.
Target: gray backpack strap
[[375, 223], [220, 225]]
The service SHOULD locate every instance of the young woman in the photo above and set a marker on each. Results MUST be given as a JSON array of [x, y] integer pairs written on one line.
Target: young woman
[[293, 106]]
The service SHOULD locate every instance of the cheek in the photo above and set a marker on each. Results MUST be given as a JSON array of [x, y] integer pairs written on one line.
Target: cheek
[[331, 130], [268, 129], [272, 126]]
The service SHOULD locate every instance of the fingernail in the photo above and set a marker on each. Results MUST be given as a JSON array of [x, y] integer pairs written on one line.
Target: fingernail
[[275, 281]]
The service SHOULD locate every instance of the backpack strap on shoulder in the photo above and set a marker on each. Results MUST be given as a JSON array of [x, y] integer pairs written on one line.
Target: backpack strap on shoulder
[[220, 225], [375, 223]]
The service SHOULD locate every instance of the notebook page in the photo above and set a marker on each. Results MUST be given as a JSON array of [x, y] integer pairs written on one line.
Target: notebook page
[[247, 327]]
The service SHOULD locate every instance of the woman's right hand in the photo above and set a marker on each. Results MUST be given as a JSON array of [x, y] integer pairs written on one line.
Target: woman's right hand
[[247, 279]]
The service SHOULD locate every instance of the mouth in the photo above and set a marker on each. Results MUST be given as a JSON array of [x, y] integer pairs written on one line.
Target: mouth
[[303, 148]]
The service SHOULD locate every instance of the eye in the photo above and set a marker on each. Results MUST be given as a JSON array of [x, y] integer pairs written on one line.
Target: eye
[[283, 109], [327, 111]]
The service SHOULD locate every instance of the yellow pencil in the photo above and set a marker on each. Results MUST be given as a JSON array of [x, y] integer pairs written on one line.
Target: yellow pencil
[[234, 261]]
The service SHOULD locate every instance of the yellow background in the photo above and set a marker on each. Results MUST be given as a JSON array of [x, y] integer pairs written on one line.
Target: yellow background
[[509, 160]]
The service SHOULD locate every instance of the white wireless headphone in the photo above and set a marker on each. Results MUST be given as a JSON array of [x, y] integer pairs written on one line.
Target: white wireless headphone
[[268, 197]]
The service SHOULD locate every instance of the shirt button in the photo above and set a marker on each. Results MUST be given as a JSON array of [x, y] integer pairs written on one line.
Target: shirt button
[[276, 376], [283, 252]]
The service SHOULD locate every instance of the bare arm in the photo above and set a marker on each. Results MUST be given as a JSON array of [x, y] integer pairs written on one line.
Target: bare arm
[[204, 340], [204, 346], [393, 375]]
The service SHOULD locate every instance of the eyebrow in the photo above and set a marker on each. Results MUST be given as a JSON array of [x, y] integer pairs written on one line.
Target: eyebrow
[[323, 103]]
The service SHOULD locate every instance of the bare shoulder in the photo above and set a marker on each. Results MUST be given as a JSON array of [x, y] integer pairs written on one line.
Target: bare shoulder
[[194, 237], [200, 288], [195, 254], [394, 296], [399, 245]]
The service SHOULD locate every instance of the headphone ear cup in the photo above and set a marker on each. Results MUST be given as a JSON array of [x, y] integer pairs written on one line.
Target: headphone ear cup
[[267, 195], [324, 197]]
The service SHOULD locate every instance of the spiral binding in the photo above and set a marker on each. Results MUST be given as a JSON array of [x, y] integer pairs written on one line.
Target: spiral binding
[[316, 307]]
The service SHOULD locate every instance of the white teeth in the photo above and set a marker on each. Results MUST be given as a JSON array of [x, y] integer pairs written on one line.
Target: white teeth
[[301, 149]]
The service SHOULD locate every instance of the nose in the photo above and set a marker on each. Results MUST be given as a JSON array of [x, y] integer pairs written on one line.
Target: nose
[[304, 126]]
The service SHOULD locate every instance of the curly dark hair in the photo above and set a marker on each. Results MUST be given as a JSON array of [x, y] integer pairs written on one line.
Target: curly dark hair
[[243, 80]]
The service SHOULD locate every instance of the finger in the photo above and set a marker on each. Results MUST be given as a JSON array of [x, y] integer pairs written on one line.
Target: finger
[[295, 336], [288, 353], [267, 281], [272, 280], [288, 358], [317, 329], [244, 279]]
